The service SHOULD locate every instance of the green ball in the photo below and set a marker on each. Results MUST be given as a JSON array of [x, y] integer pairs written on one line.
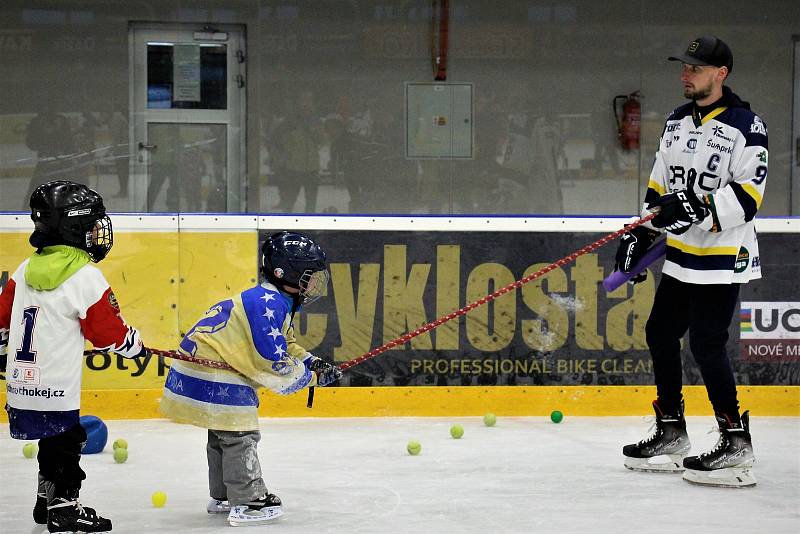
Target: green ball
[[120, 444], [120, 455], [456, 431], [29, 450], [556, 416], [413, 447], [159, 499], [489, 419]]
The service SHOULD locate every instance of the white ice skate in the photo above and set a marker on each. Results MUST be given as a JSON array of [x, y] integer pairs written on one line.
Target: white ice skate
[[216, 506], [256, 512]]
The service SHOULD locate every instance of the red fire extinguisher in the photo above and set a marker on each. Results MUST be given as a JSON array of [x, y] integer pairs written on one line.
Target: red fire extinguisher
[[629, 126]]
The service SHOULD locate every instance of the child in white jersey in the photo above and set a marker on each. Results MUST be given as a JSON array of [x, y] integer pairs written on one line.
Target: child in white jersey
[[52, 303]]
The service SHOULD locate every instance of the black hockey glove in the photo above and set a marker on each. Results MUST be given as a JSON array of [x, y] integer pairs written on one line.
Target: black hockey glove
[[632, 246], [678, 211], [326, 373]]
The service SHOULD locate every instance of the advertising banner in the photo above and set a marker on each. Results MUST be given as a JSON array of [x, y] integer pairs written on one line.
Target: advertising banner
[[560, 329]]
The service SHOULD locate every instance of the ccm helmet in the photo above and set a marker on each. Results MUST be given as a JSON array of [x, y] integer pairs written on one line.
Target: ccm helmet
[[67, 213], [292, 259]]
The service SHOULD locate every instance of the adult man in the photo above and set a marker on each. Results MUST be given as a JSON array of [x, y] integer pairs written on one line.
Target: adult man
[[708, 182]]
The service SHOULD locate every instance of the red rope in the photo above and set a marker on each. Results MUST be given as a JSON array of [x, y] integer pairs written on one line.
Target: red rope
[[488, 298], [175, 355]]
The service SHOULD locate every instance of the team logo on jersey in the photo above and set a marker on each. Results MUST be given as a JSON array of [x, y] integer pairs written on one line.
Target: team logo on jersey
[[719, 132], [717, 146], [25, 375], [112, 299], [758, 127], [742, 260], [762, 156]]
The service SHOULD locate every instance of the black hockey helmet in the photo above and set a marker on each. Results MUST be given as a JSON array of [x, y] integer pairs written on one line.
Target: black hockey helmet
[[294, 260], [67, 213]]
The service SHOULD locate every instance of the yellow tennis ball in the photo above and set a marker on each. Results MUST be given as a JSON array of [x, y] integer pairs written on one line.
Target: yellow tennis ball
[[489, 419], [120, 455], [413, 447], [159, 499], [456, 431], [29, 450], [120, 444]]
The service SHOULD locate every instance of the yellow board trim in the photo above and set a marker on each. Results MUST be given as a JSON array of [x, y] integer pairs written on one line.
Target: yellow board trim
[[753, 192], [702, 251], [713, 114], [440, 401], [657, 187]]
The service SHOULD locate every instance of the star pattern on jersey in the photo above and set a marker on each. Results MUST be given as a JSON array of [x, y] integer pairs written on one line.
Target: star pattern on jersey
[[279, 351], [223, 392], [243, 392], [266, 297], [269, 313], [274, 333]]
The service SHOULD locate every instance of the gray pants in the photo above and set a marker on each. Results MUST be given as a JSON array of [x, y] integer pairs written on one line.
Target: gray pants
[[234, 472]]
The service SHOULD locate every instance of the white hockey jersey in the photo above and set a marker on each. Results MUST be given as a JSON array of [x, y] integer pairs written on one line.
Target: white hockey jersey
[[721, 154], [45, 332]]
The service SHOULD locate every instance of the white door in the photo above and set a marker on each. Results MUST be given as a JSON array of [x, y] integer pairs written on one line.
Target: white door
[[188, 118], [795, 148]]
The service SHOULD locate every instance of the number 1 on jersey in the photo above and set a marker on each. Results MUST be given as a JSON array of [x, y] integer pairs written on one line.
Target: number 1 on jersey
[[24, 353]]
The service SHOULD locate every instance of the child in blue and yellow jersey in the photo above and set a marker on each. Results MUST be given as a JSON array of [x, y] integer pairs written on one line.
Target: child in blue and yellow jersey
[[252, 332]]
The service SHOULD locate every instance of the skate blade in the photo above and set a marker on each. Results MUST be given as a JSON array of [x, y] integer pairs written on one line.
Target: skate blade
[[247, 521], [671, 463], [730, 477], [80, 531]]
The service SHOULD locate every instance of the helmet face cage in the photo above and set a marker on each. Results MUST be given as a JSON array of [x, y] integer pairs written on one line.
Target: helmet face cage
[[99, 239], [313, 285]]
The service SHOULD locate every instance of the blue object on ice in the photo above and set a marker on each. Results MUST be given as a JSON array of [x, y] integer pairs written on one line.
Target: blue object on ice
[[96, 434]]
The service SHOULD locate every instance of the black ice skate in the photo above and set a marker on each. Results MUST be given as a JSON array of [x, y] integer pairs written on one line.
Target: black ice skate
[[65, 515], [729, 463], [40, 508], [255, 512], [664, 449]]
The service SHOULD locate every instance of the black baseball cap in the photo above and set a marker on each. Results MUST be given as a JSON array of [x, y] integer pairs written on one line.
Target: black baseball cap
[[707, 50]]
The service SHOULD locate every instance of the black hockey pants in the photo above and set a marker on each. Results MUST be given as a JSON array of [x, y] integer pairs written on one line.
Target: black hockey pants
[[59, 461], [706, 312]]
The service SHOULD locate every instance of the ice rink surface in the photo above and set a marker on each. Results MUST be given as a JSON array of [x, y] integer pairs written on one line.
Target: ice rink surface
[[526, 474]]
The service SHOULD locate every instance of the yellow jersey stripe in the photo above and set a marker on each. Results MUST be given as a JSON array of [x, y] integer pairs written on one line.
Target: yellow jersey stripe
[[753, 192], [702, 251], [713, 114]]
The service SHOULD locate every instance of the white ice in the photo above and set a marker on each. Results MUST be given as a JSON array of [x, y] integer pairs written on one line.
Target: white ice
[[526, 474]]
